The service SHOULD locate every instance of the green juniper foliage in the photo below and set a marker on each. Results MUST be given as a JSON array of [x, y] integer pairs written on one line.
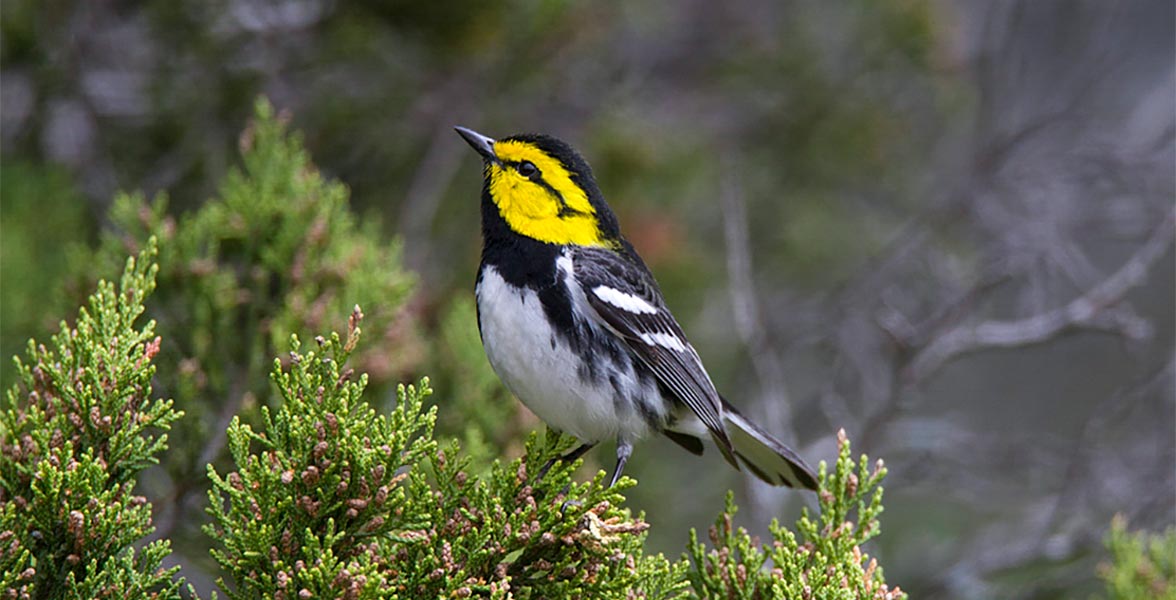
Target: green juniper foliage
[[277, 252], [78, 428], [1142, 566], [828, 564], [316, 485], [332, 499]]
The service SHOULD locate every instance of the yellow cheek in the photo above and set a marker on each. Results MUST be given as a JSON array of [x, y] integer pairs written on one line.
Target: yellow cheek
[[531, 211], [530, 200]]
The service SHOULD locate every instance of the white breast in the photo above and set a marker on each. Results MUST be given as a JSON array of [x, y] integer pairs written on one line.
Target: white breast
[[539, 367]]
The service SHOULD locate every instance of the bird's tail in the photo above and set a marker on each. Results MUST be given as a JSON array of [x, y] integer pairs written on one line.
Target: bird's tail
[[766, 456]]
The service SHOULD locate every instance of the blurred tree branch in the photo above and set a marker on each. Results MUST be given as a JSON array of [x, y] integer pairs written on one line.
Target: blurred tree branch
[[1093, 309]]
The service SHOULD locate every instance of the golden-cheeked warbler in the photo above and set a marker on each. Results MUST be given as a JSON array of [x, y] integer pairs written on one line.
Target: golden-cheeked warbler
[[574, 324]]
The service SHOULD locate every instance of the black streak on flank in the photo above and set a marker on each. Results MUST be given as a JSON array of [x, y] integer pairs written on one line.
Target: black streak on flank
[[648, 414], [586, 371]]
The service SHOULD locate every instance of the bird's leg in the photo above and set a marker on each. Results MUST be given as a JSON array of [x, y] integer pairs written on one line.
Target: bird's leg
[[576, 452], [624, 449]]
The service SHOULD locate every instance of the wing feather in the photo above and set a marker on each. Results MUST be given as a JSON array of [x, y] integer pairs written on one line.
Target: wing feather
[[625, 297]]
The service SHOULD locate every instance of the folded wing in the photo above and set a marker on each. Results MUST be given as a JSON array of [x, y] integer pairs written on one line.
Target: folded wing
[[625, 297]]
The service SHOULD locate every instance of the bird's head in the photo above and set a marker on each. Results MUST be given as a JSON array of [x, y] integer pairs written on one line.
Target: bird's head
[[543, 189]]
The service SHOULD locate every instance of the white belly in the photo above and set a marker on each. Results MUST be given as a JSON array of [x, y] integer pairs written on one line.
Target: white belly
[[539, 368]]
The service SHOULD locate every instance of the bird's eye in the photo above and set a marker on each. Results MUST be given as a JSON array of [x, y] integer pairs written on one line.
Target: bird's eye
[[528, 169]]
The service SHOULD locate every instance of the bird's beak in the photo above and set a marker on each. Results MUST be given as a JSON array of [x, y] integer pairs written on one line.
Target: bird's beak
[[482, 144]]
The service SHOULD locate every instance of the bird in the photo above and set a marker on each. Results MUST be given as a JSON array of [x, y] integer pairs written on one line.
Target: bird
[[573, 322]]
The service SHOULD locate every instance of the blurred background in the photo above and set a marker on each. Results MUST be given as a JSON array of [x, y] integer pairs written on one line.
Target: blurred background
[[946, 227]]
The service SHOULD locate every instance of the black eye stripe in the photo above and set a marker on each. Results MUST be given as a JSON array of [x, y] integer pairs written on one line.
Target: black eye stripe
[[567, 211], [528, 169], [564, 209]]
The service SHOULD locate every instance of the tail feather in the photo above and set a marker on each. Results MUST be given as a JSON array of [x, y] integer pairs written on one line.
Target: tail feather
[[766, 456]]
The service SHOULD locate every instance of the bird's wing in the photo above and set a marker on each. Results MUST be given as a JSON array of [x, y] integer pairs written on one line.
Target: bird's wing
[[627, 302]]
